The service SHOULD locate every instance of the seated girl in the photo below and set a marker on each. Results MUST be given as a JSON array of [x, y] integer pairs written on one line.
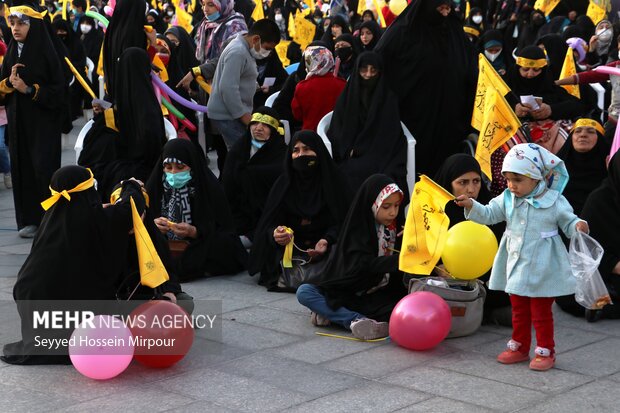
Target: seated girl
[[361, 283], [252, 166], [310, 199], [461, 175], [365, 130], [193, 213]]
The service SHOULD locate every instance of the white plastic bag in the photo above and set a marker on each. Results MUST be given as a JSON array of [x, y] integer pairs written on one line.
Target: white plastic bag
[[585, 254]]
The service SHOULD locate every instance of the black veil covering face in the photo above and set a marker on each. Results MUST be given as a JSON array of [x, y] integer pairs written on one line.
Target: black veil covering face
[[586, 169], [74, 254], [134, 150], [555, 47], [355, 266], [248, 179], [432, 67], [34, 126], [126, 30], [319, 195], [217, 250], [365, 130]]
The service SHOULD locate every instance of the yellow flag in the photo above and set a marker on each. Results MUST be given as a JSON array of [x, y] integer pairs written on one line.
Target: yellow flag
[[426, 228], [546, 6], [467, 9], [281, 49], [303, 29], [498, 125], [258, 13], [569, 69], [596, 13], [152, 270], [381, 18], [487, 78], [184, 19], [361, 6], [291, 26], [310, 4]]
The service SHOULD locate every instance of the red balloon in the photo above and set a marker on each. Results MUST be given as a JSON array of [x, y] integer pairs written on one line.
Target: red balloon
[[163, 333], [420, 321]]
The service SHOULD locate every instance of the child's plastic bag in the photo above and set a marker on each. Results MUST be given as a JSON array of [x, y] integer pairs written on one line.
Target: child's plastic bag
[[585, 254]]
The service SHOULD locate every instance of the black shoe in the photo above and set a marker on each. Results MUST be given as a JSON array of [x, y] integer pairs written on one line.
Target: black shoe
[[593, 316]]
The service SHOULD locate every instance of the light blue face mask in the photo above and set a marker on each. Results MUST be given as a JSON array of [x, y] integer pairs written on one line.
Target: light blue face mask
[[178, 180], [257, 144], [213, 17]]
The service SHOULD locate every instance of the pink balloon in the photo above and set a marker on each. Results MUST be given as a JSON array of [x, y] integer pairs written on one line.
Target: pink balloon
[[420, 321], [101, 349], [608, 70]]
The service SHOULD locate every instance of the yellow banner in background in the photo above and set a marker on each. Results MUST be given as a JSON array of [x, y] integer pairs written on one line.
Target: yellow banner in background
[[487, 78], [569, 69], [426, 228]]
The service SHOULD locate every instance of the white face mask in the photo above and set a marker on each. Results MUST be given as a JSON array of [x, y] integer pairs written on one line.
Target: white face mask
[[279, 17], [170, 13], [604, 35], [492, 56], [477, 19], [261, 54], [85, 28]]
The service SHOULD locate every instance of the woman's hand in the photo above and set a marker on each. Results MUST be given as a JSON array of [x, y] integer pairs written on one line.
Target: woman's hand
[[171, 297], [464, 201], [616, 269], [162, 225], [544, 112], [184, 230], [522, 110], [593, 41], [582, 226], [186, 81], [151, 35], [319, 249], [281, 237], [16, 81]]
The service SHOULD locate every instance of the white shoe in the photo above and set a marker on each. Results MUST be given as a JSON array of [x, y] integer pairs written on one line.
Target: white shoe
[[29, 231], [8, 182], [367, 329]]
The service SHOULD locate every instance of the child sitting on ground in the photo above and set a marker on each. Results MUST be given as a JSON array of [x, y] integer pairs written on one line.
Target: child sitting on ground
[[532, 262]]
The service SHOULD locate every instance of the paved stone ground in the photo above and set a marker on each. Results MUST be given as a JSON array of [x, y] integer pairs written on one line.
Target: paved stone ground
[[269, 359]]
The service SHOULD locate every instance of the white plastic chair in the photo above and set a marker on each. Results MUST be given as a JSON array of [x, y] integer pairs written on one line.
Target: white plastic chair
[[411, 142], [101, 88], [287, 130], [271, 99], [600, 98], [91, 68], [171, 133]]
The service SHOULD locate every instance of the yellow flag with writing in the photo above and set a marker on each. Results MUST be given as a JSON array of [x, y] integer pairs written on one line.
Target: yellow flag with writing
[[281, 49], [258, 13], [426, 228], [152, 270], [184, 19], [291, 26], [498, 125], [569, 69], [303, 30], [546, 6], [487, 78], [595, 12]]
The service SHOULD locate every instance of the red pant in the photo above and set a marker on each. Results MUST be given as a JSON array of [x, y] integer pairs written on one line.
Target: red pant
[[532, 310]]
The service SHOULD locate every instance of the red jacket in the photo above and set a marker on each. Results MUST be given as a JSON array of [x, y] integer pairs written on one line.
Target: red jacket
[[594, 77], [315, 98]]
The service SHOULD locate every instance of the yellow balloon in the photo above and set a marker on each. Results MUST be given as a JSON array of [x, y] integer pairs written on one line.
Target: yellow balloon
[[469, 251], [397, 6]]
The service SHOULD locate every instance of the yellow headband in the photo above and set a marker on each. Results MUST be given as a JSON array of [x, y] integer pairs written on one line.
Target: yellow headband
[[525, 62], [471, 30], [268, 120], [117, 194], [25, 10], [589, 123], [49, 202]]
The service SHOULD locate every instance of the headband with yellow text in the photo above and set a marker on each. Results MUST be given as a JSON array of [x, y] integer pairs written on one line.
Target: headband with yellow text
[[268, 120], [536, 64], [589, 123], [19, 11], [49, 202], [471, 30]]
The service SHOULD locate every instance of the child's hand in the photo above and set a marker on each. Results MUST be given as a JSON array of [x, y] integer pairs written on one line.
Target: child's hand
[[464, 201], [281, 237], [582, 226]]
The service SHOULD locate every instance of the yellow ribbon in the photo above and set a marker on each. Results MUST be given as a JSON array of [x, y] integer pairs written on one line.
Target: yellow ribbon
[[471, 30], [49, 202], [25, 10], [350, 338], [268, 120], [536, 64], [287, 259], [589, 123], [201, 80], [80, 79], [114, 196]]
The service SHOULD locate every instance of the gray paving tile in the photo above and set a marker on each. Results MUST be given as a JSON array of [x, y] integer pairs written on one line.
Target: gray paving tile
[[443, 405], [473, 341], [371, 397], [20, 249], [466, 388], [134, 400], [483, 366], [265, 317], [322, 349], [239, 393], [599, 396], [29, 399], [253, 338], [201, 407], [289, 303], [290, 374], [12, 260], [381, 361], [9, 270], [598, 359]]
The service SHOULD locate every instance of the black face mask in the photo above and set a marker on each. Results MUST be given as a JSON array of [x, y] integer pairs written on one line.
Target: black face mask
[[305, 165], [538, 20], [369, 83], [344, 53]]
